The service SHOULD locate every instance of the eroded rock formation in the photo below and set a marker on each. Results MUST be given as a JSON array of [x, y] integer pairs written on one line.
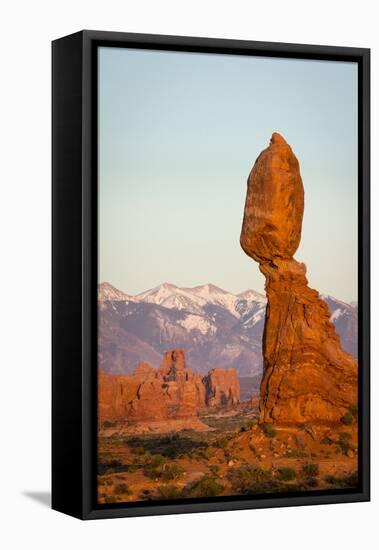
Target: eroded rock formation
[[170, 392], [307, 376], [222, 387]]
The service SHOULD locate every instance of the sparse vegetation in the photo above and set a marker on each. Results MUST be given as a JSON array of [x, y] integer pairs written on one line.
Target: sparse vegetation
[[138, 450], [206, 487], [221, 443], [122, 488], [310, 470], [294, 453], [172, 471], [343, 443], [343, 482], [347, 418], [269, 430], [245, 477], [286, 474], [168, 492], [354, 410], [110, 499]]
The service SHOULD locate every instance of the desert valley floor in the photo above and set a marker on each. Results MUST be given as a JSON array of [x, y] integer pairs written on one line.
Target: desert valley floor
[[236, 456]]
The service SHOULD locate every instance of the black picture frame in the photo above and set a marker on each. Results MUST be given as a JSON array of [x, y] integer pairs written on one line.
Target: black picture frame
[[74, 271]]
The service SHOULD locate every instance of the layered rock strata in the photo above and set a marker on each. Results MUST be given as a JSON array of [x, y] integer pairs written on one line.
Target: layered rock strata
[[306, 374]]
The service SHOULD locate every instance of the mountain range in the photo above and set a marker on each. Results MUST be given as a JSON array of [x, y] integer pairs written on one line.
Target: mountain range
[[215, 328]]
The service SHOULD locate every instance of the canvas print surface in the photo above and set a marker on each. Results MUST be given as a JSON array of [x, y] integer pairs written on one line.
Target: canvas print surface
[[227, 311]]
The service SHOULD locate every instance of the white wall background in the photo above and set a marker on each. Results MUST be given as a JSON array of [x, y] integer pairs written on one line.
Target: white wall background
[[26, 31]]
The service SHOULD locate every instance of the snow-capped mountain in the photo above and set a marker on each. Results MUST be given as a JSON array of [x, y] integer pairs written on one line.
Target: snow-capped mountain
[[345, 318], [196, 298], [108, 293], [215, 327]]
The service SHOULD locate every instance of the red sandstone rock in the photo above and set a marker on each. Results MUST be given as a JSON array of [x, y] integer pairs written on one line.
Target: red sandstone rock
[[222, 387], [171, 392], [307, 376]]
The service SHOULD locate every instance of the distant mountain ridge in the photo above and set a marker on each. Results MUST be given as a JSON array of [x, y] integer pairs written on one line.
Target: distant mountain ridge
[[216, 328]]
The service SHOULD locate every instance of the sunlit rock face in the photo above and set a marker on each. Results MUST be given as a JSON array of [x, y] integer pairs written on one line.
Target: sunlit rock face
[[306, 374]]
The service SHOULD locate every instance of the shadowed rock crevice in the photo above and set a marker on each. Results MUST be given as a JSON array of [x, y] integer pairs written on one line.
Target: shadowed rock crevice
[[306, 374]]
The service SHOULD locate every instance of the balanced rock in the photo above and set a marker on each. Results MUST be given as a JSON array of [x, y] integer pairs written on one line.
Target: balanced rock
[[306, 374]]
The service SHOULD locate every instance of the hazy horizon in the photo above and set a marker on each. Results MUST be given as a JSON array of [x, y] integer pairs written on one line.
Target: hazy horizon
[[178, 136]]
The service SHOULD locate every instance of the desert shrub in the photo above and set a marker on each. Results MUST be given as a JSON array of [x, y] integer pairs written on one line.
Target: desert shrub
[[214, 468], [326, 440], [286, 474], [154, 466], [109, 424], [110, 499], [330, 479], [269, 430], [347, 418], [122, 488], [354, 410], [348, 481], [252, 448], [138, 450], [311, 482], [167, 492], [310, 470], [172, 471], [244, 478], [343, 442], [250, 423], [243, 429], [116, 466], [206, 487], [146, 494], [108, 482], [221, 443], [294, 453]]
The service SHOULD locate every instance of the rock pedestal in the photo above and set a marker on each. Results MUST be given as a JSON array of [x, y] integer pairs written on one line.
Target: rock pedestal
[[306, 374]]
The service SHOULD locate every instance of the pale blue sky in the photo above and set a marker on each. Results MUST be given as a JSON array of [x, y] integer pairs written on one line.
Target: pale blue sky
[[178, 135]]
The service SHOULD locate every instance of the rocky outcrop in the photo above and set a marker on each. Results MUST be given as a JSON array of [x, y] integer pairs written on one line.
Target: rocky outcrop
[[222, 387], [171, 392], [306, 374]]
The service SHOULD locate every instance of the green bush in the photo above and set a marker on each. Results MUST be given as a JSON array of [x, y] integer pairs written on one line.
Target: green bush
[[172, 471], [343, 442], [269, 430], [154, 466], [109, 424], [286, 474], [310, 470], [244, 478], [122, 488], [311, 482], [206, 487], [138, 450], [110, 499], [221, 443], [354, 410], [294, 453], [348, 481], [347, 418], [168, 492]]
